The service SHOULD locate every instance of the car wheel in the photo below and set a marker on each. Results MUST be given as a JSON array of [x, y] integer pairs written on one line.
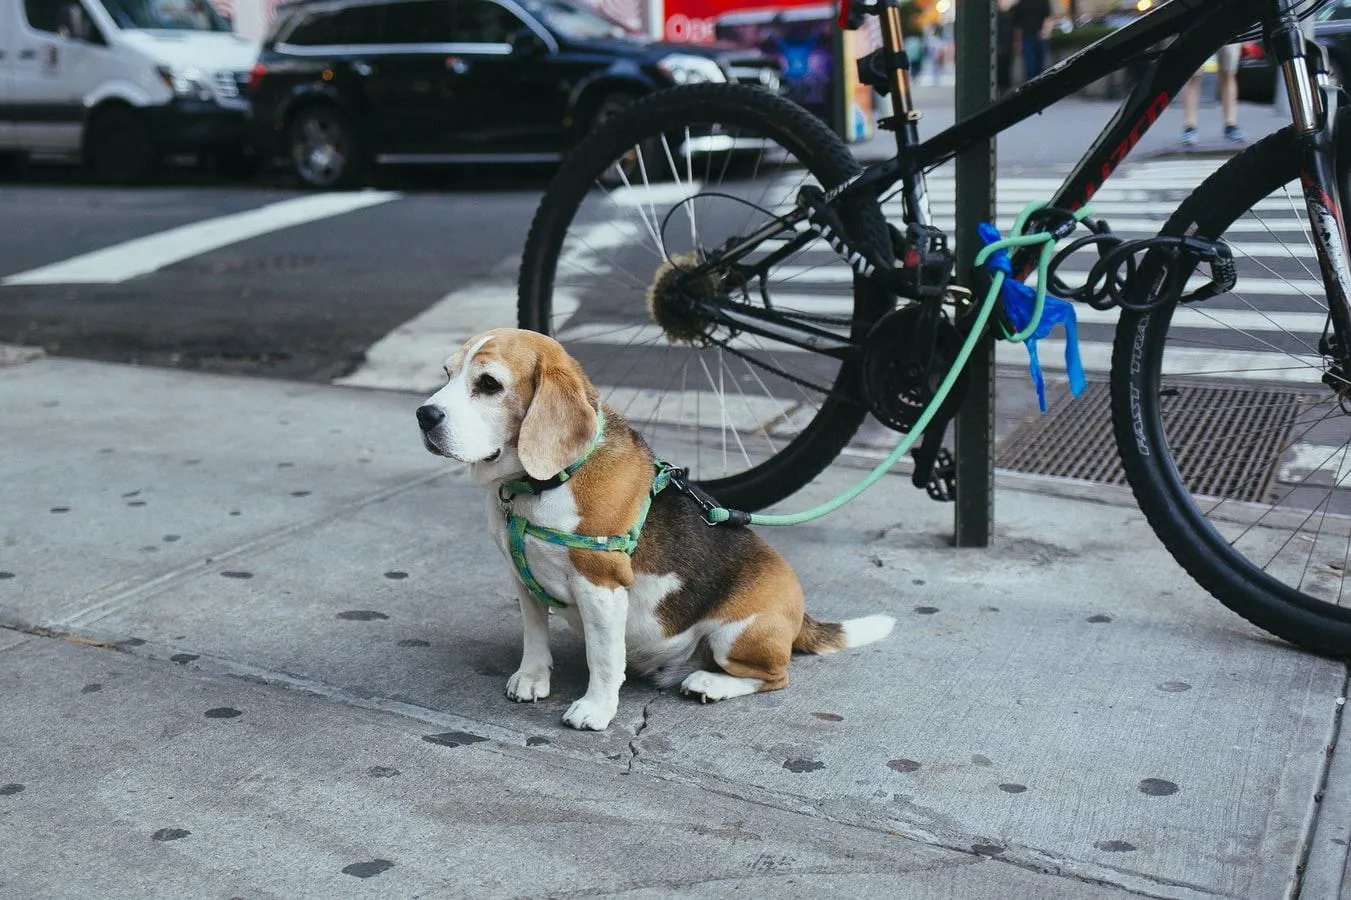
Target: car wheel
[[607, 107], [611, 105], [12, 163], [325, 151], [117, 148]]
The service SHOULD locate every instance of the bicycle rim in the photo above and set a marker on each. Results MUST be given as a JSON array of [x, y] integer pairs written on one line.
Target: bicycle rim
[[656, 191], [1238, 452]]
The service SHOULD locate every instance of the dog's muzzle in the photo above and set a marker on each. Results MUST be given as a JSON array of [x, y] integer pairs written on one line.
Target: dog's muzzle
[[430, 417]]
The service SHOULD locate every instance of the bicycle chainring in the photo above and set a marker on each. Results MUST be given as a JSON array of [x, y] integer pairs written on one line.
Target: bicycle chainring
[[904, 362]]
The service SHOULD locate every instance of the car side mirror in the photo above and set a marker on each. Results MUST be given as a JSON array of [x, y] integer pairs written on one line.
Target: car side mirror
[[525, 42]]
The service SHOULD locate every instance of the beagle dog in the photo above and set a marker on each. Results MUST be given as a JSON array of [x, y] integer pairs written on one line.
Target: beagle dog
[[570, 487]]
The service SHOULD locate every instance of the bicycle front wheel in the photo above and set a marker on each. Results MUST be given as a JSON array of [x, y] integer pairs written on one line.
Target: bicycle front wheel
[[658, 188], [1237, 451]]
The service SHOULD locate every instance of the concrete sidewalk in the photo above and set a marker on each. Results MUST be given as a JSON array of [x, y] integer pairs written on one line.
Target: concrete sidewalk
[[256, 641]]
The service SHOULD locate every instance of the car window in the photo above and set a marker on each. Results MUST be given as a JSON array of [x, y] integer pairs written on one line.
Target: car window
[[420, 22], [578, 22], [54, 16], [483, 22], [350, 25], [42, 15], [1335, 11], [166, 15]]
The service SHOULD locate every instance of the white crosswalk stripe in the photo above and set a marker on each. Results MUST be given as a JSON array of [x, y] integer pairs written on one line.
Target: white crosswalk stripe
[[127, 260]]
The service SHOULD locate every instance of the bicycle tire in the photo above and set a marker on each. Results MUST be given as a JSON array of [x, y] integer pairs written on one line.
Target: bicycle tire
[[1211, 558], [826, 157]]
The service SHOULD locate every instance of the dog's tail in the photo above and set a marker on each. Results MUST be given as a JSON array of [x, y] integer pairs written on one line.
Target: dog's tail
[[823, 637]]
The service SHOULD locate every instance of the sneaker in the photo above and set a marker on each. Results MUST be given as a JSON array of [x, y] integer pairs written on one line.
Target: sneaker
[[1233, 133], [1189, 136]]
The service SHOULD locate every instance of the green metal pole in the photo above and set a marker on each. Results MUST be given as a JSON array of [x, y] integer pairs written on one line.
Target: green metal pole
[[974, 426]]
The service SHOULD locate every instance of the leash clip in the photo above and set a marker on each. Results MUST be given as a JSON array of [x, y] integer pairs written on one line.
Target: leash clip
[[707, 503], [504, 499], [682, 484]]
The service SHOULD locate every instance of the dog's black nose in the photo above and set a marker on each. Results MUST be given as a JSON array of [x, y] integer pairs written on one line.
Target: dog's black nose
[[430, 416]]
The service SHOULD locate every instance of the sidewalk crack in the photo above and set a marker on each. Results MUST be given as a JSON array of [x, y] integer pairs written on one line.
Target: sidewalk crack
[[1319, 809], [638, 731]]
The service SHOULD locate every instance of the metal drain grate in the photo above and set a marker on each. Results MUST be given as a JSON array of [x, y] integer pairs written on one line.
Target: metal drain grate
[[1227, 440]]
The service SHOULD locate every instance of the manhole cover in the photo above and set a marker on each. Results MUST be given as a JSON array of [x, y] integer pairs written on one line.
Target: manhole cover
[[1226, 439]]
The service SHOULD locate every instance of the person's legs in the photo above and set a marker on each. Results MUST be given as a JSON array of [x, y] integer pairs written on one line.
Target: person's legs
[[1032, 63], [1191, 99], [1228, 59]]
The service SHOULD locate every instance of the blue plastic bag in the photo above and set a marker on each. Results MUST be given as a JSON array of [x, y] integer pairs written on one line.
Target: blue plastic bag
[[1019, 303]]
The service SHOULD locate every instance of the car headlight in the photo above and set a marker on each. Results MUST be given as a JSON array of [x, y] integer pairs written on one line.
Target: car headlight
[[187, 82], [683, 69]]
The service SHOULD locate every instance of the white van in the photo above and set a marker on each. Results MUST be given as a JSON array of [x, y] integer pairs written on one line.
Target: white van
[[121, 83]]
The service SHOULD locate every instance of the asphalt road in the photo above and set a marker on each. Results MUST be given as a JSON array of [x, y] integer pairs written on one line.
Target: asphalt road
[[300, 302], [306, 300]]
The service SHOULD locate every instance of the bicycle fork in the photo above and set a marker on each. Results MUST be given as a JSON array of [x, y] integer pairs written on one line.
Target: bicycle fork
[[1313, 114]]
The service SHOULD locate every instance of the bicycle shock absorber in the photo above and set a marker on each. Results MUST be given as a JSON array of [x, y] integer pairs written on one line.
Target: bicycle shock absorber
[[926, 263]]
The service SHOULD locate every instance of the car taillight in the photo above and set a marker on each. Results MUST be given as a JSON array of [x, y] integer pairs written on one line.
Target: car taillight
[[256, 76], [1251, 50]]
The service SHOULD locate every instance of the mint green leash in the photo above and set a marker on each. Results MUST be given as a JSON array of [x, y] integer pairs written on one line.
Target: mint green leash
[[518, 528], [1015, 239]]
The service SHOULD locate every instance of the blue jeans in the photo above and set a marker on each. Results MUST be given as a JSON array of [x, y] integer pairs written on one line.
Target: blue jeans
[[1034, 56]]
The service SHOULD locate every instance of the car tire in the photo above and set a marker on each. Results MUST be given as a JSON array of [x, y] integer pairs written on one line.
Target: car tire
[[609, 105], [12, 163], [613, 104], [324, 148], [118, 148]]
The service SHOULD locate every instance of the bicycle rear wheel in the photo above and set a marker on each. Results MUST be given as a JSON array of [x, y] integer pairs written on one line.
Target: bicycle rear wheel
[[1239, 455], [660, 186]]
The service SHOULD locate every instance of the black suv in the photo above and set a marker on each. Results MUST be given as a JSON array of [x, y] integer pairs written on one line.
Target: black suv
[[341, 84]]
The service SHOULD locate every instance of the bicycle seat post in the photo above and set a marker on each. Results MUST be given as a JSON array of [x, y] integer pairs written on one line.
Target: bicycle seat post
[[898, 72], [904, 118]]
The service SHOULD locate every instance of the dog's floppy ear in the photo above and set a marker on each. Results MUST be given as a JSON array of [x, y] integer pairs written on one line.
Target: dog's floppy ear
[[560, 423]]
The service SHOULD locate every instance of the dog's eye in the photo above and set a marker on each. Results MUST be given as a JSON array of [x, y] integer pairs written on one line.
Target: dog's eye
[[487, 385]]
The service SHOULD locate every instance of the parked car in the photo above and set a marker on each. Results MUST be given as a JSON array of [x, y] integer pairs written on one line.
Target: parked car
[[121, 83], [342, 84], [1258, 77]]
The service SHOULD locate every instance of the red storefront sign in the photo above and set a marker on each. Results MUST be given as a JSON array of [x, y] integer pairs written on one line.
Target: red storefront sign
[[693, 21]]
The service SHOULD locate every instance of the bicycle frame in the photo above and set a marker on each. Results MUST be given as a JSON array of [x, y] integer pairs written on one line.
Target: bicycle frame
[[1201, 27], [1186, 33]]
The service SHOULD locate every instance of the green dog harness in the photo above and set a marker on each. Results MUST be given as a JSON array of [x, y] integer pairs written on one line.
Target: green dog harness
[[518, 527]]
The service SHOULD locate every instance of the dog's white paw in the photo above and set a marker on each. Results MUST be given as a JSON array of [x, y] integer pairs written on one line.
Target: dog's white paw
[[588, 715], [524, 686], [717, 686]]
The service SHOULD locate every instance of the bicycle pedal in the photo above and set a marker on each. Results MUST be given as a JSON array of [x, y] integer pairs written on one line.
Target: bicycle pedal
[[942, 485]]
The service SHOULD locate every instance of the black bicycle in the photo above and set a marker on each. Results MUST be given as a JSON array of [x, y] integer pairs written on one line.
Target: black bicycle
[[717, 253]]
